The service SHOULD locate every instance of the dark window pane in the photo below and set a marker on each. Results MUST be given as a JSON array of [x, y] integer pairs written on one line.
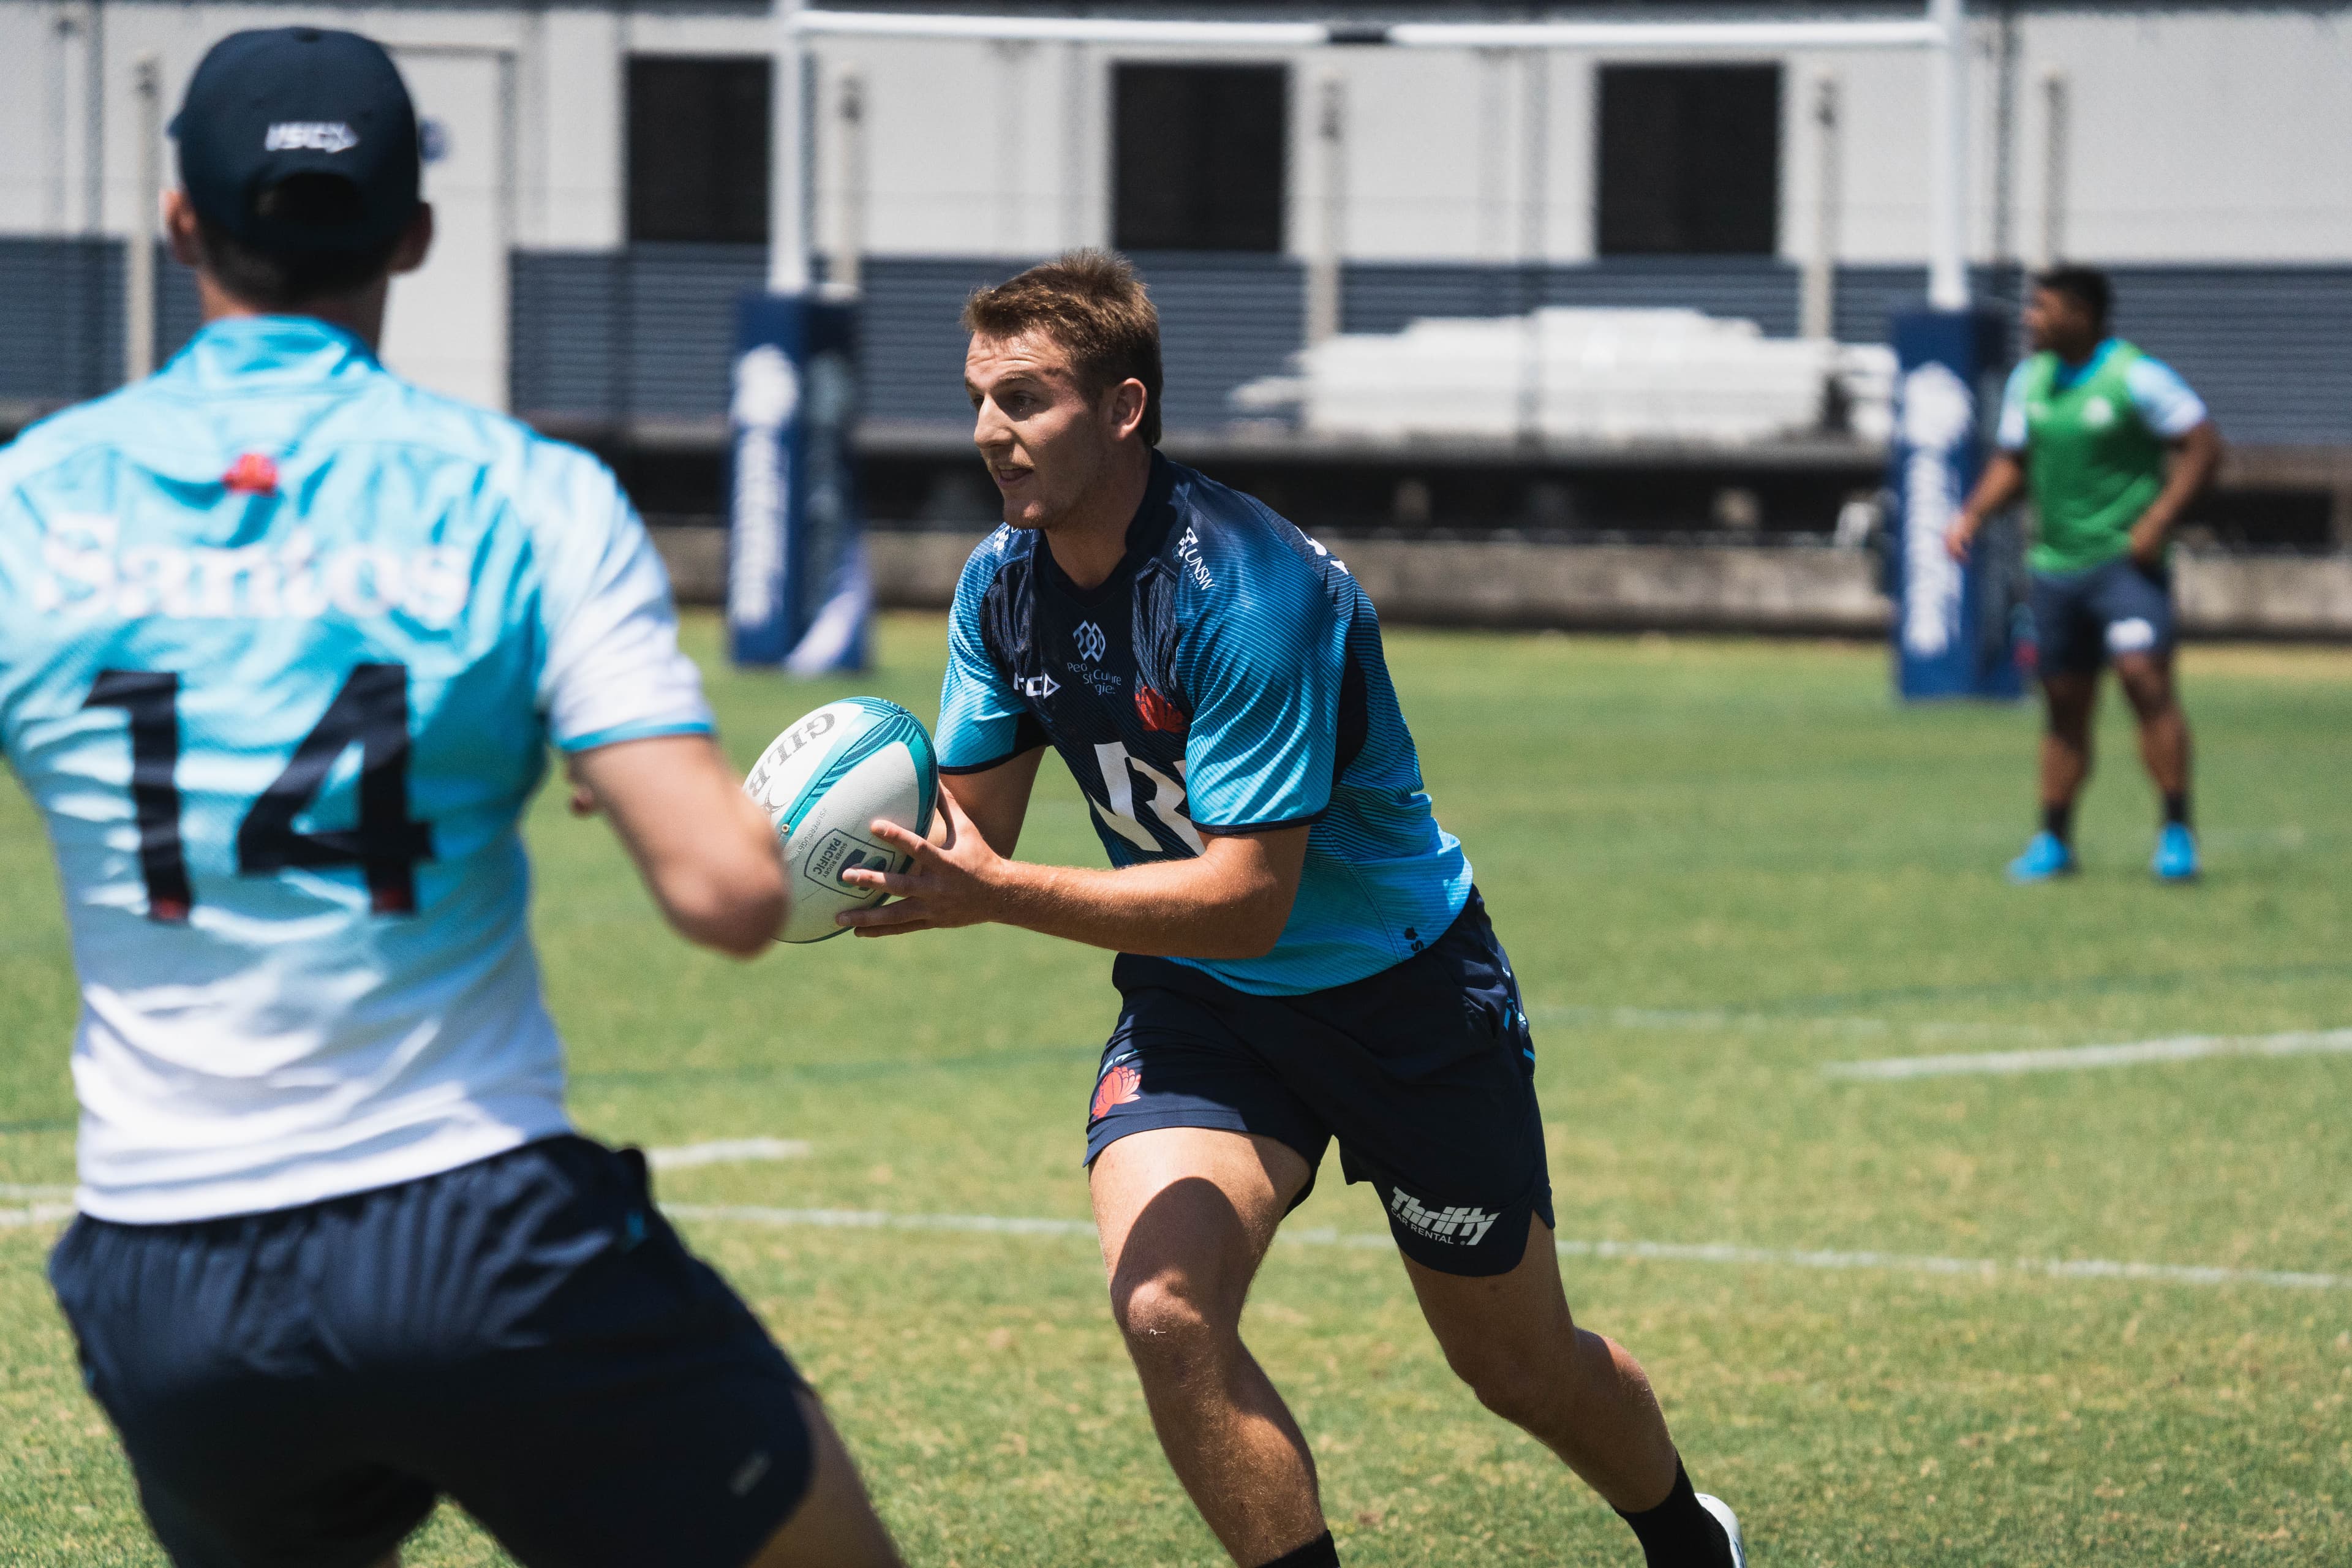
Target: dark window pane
[[1690, 159], [1201, 157], [699, 149]]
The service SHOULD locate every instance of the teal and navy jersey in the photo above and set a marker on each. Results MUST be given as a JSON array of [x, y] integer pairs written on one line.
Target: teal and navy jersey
[[283, 641], [1226, 678]]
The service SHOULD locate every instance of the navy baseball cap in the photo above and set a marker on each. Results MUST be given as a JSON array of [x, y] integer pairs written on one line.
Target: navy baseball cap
[[269, 105]]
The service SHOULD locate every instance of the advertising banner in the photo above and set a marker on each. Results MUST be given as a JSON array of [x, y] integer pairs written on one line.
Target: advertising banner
[[798, 595], [1957, 626]]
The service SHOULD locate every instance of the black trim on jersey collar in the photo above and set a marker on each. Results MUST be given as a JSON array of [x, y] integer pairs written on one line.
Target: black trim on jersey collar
[[1028, 735], [1146, 530], [989, 766]]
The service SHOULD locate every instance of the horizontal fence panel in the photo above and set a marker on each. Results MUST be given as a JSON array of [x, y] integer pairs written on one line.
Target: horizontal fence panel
[[2265, 347], [61, 330], [648, 331], [910, 336]]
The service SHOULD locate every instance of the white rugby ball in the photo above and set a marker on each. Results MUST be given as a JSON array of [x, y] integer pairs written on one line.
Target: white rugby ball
[[823, 783]]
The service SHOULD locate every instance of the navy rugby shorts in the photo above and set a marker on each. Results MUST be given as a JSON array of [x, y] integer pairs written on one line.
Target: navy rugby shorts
[[1425, 1073], [2081, 620], [524, 1334]]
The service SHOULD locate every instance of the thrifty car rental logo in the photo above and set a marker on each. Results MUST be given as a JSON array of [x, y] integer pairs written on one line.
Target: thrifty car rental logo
[[1460, 1225]]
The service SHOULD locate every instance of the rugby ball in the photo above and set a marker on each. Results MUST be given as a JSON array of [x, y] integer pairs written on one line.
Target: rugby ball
[[823, 783]]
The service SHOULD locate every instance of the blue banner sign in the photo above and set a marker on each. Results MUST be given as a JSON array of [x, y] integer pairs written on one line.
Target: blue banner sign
[[798, 595], [1955, 624]]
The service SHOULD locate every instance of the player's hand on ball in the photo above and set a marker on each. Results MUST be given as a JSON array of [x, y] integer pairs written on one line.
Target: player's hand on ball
[[950, 883]]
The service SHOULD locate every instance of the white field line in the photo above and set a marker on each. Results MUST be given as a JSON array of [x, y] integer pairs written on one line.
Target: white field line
[[1652, 1251], [2068, 1059], [18, 1190], [726, 1150]]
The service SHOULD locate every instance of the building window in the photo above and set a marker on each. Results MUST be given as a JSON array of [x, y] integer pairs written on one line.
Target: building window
[[699, 149], [1198, 155], [1690, 161]]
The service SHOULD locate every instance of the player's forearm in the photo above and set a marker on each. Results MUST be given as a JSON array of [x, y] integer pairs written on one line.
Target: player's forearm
[[706, 853], [1184, 909], [2002, 481], [2194, 461]]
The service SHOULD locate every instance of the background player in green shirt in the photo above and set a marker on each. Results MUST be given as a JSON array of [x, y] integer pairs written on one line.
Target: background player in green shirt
[[2113, 446]]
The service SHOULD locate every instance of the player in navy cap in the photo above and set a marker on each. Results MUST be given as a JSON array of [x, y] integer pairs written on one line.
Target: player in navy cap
[[283, 642]]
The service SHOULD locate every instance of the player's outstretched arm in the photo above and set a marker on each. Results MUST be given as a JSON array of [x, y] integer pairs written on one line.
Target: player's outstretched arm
[[1229, 901], [707, 853]]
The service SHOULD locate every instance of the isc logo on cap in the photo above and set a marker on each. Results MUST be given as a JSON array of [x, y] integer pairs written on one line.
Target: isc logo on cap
[[311, 135]]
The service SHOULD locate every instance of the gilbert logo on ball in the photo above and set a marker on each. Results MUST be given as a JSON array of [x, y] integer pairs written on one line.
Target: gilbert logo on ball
[[823, 782]]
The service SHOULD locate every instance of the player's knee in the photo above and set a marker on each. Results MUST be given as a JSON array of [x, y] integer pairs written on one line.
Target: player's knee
[[1168, 1323], [1529, 1375], [2150, 692], [2071, 725], [1524, 1390]]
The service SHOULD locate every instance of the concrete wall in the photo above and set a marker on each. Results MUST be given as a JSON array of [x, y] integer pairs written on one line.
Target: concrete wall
[[1681, 587], [2206, 135]]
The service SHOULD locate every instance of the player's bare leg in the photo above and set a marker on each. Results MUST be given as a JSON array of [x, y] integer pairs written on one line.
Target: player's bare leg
[[1186, 1215], [835, 1525], [2147, 680], [1511, 1338], [2071, 700]]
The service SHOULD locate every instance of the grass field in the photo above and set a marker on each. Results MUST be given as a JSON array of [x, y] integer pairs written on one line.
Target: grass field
[[1719, 866]]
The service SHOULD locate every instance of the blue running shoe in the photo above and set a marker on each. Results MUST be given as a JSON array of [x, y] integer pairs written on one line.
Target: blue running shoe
[[2176, 854], [2046, 857]]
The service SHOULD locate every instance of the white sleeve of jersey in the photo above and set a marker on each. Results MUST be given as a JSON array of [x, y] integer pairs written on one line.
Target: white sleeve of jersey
[[2010, 434], [613, 671], [2166, 404]]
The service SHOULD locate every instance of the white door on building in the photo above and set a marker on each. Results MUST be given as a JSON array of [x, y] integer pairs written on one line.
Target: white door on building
[[446, 328]]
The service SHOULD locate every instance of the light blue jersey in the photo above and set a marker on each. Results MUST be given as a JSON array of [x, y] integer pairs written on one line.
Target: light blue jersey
[[283, 641], [1227, 678]]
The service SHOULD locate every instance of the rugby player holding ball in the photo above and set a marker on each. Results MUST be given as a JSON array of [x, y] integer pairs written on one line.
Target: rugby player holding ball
[[1302, 955]]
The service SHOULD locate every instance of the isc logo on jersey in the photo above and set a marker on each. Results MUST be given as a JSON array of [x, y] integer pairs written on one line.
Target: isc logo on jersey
[[89, 572]]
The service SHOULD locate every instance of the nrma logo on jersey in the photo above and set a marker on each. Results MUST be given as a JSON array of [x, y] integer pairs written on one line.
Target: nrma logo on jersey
[[88, 571]]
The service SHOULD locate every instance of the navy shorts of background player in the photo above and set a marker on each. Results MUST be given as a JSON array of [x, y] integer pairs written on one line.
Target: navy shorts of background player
[[1228, 678], [2081, 620]]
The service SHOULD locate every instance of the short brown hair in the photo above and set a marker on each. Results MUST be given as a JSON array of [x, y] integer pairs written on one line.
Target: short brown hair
[[1092, 303]]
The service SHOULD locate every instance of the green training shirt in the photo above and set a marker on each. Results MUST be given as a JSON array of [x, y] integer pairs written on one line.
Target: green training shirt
[[2092, 440]]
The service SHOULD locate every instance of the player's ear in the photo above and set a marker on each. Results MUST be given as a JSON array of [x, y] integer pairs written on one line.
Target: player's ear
[[1127, 401], [180, 229], [415, 241]]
